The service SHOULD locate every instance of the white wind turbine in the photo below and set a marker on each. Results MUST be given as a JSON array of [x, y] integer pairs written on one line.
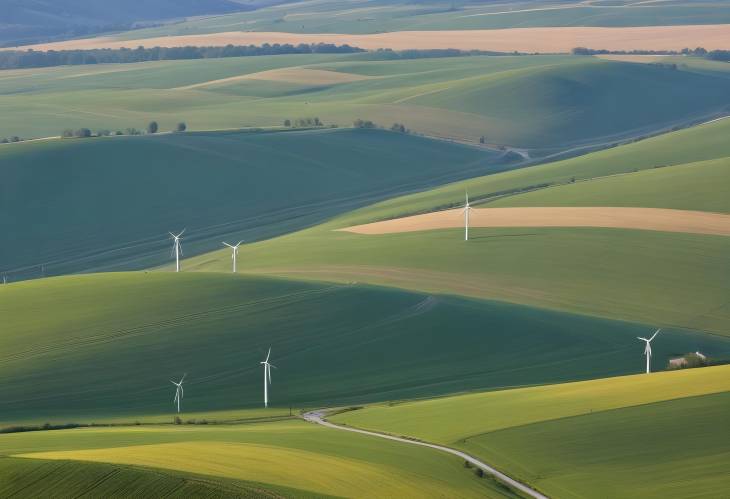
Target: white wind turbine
[[647, 350], [467, 209], [177, 249], [178, 391], [267, 377], [235, 253]]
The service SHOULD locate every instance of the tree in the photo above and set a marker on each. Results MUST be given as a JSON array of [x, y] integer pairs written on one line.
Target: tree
[[14, 138], [482, 140], [152, 127], [287, 123], [479, 472], [399, 127], [181, 127], [82, 133], [317, 122], [103, 133], [67, 133], [358, 123]]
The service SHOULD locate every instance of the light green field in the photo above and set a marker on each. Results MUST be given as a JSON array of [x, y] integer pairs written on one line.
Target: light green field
[[108, 203], [372, 16], [292, 459], [690, 186], [106, 346], [636, 436], [543, 103]]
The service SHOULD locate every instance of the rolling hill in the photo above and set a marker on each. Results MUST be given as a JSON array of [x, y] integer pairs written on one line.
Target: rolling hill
[[274, 459], [107, 344], [672, 279], [27, 21], [648, 435], [373, 16], [545, 104], [108, 203]]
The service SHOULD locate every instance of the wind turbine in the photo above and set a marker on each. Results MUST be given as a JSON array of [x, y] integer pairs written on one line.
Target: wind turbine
[[179, 392], [177, 249], [647, 350], [467, 209], [267, 377], [235, 253]]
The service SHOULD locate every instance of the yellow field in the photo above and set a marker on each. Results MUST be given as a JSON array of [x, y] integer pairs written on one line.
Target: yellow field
[[436, 419], [538, 40]]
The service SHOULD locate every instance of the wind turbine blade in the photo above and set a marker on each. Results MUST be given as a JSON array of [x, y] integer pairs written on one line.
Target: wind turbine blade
[[640, 338], [268, 371], [268, 355], [183, 378], [272, 365], [657, 332], [173, 235], [239, 243], [225, 243], [183, 231]]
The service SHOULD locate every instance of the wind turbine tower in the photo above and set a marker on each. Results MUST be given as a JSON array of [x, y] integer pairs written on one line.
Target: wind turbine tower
[[467, 209], [177, 249], [235, 253], [267, 377], [647, 349], [178, 392]]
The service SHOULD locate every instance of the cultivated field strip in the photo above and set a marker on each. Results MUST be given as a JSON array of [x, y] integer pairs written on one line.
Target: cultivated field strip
[[654, 219]]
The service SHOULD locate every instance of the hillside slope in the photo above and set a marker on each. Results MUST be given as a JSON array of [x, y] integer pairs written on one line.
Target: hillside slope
[[545, 104], [648, 436], [107, 345], [108, 203], [661, 278]]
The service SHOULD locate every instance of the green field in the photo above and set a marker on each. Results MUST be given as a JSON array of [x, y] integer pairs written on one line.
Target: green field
[[693, 145], [289, 459], [108, 203], [542, 103], [106, 346], [373, 16], [637, 436], [670, 279], [689, 186]]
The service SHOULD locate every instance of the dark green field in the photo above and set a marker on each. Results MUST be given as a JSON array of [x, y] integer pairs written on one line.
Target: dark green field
[[106, 345], [108, 203]]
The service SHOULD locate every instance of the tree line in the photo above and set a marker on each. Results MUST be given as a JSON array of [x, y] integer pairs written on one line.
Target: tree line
[[152, 127], [18, 59], [715, 55]]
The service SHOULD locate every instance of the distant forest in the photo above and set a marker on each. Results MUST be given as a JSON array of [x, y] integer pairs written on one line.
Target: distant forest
[[18, 59]]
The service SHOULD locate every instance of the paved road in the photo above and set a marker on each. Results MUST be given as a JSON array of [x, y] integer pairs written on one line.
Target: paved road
[[318, 417]]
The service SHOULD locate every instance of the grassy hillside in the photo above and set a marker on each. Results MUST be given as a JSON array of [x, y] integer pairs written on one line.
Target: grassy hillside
[[372, 16], [21, 477], [106, 345], [653, 435], [692, 145], [690, 186], [656, 278], [542, 103], [287, 459], [108, 203]]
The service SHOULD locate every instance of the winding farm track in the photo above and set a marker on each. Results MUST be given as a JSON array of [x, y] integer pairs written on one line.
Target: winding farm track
[[655, 219], [318, 418]]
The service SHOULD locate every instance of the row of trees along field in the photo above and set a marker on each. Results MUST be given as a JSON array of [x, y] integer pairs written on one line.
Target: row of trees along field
[[18, 59], [152, 127]]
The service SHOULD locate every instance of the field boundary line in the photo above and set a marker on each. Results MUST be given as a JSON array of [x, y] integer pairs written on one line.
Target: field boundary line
[[318, 417]]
